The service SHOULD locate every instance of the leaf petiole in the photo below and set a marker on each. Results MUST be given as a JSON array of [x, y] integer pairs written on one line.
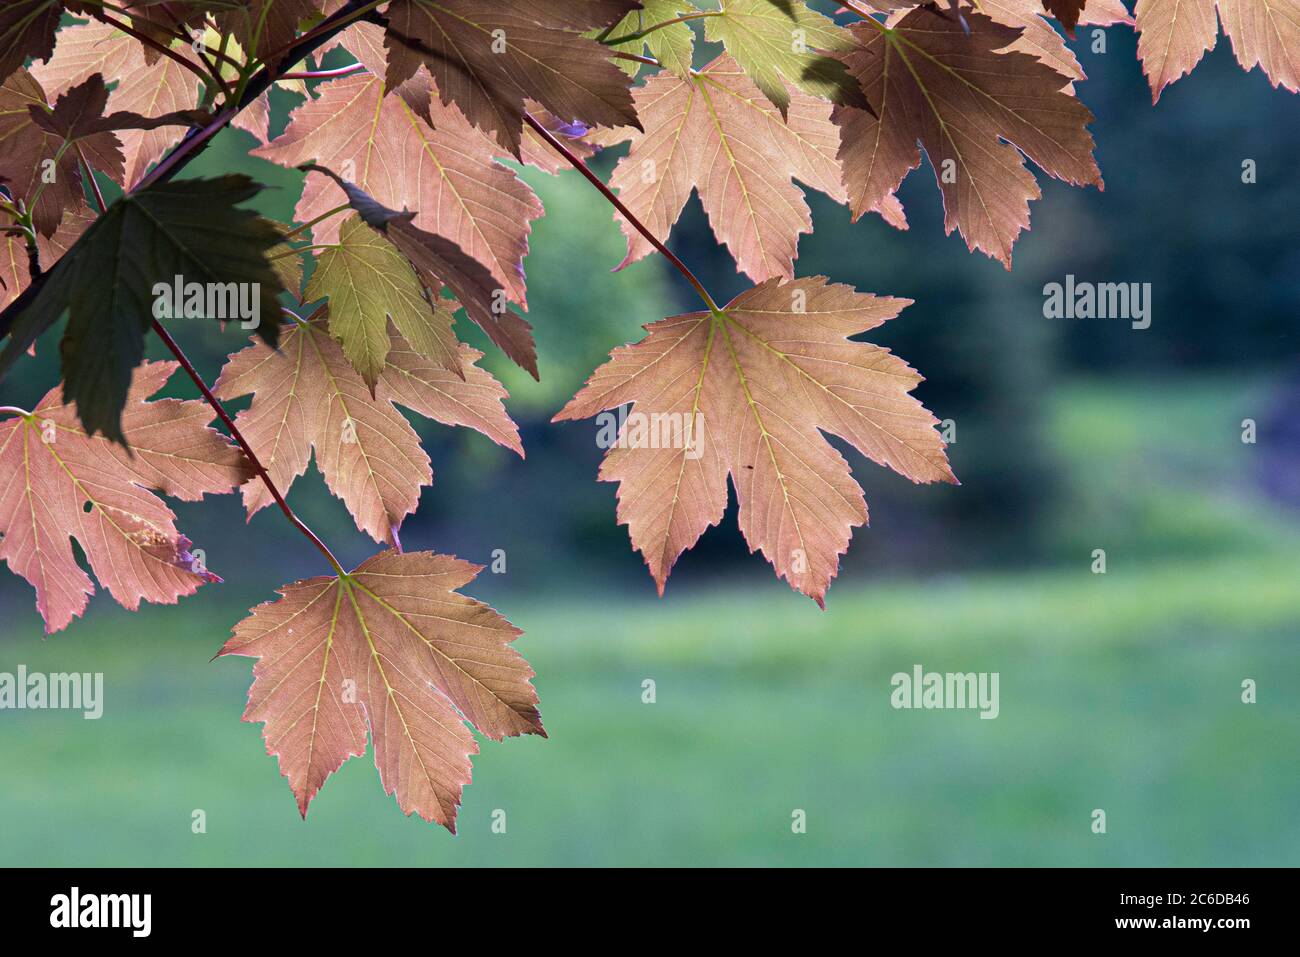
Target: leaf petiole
[[618, 204], [641, 34], [300, 249], [319, 219]]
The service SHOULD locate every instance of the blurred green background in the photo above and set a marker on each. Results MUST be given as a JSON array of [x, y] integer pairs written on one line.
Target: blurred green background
[[1119, 691]]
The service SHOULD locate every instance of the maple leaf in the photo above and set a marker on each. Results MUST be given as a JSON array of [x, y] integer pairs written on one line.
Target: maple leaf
[[439, 262], [42, 149], [307, 395], [83, 49], [448, 176], [974, 110], [1040, 38], [1174, 35], [79, 113], [391, 647], [368, 282], [109, 298], [715, 132], [743, 392], [490, 56], [28, 27], [776, 40], [27, 30], [365, 41], [149, 21], [672, 46], [41, 167], [65, 484], [166, 86], [163, 86]]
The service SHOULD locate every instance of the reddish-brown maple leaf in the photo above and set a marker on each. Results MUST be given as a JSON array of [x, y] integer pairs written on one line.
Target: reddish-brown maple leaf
[[490, 56], [1175, 34], [64, 484], [745, 392], [717, 133], [1040, 38], [36, 165], [82, 111], [307, 395], [975, 108], [365, 41], [82, 49], [394, 649], [27, 30], [149, 89]]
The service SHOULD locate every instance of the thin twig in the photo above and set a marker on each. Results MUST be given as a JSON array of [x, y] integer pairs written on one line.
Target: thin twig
[[247, 449], [635, 57], [617, 203], [224, 416], [164, 50], [641, 34], [319, 219], [94, 184], [296, 250]]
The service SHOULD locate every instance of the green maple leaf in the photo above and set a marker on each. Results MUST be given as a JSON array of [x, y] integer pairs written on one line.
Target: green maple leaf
[[105, 284], [772, 39], [367, 282]]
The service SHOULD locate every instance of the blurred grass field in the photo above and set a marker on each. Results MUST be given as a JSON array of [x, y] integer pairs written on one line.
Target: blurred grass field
[[1119, 691]]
